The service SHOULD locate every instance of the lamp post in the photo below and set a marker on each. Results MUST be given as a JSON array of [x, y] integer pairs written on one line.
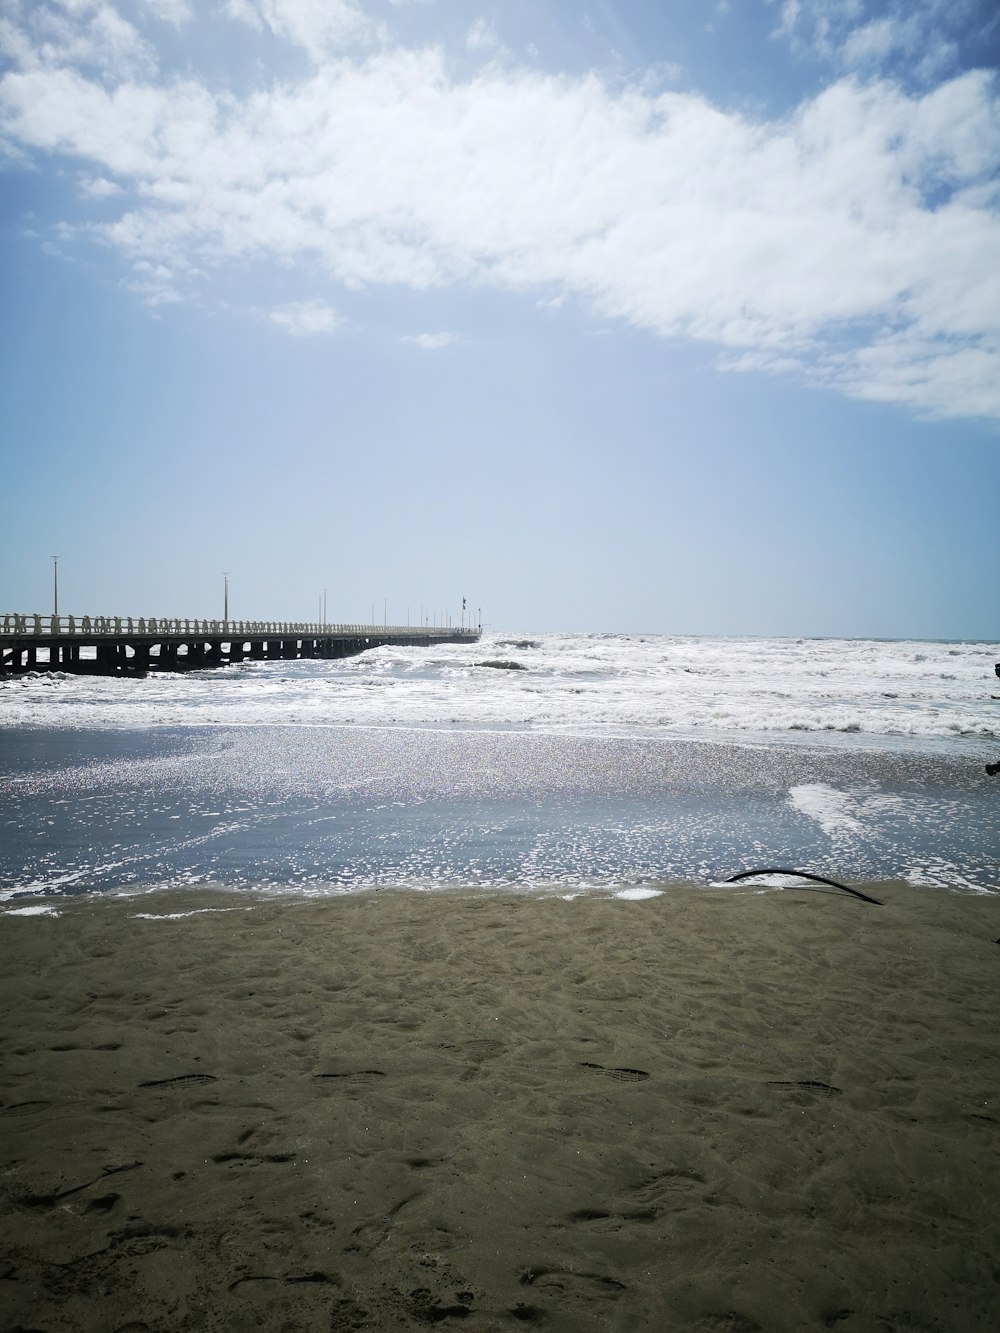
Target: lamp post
[[225, 598], [55, 585]]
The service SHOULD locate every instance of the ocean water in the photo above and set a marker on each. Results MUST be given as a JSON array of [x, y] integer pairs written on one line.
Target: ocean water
[[605, 763]]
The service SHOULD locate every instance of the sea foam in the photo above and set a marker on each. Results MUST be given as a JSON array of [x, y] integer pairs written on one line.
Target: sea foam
[[849, 691]]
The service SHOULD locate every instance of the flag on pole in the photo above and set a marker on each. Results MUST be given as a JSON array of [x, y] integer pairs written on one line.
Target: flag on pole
[[463, 603]]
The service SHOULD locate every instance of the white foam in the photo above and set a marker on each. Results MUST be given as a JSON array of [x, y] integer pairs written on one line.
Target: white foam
[[180, 916], [636, 894], [939, 873], [828, 807], [36, 909], [855, 690]]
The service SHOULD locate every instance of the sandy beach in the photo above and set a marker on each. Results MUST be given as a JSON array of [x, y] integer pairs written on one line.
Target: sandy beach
[[709, 1110]]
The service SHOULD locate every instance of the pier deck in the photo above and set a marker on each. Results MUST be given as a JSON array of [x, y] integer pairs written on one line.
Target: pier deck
[[126, 645]]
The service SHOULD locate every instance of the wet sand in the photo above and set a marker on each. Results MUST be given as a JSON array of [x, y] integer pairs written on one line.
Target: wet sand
[[710, 1111]]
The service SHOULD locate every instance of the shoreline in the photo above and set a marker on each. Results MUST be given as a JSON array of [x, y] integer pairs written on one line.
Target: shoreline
[[206, 898], [708, 1109]]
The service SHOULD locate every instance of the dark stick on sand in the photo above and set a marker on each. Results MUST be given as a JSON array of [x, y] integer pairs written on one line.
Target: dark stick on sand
[[804, 874]]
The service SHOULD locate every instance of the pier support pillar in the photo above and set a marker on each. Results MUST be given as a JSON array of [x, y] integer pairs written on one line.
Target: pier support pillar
[[107, 659]]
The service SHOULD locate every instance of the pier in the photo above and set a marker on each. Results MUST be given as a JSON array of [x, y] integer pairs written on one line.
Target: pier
[[130, 646]]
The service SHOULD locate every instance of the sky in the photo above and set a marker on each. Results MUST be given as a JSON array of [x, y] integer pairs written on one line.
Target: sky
[[618, 316]]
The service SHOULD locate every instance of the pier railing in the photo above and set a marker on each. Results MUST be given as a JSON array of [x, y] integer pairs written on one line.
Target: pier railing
[[33, 624]]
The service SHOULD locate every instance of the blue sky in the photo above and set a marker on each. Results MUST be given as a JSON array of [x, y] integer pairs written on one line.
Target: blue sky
[[678, 317]]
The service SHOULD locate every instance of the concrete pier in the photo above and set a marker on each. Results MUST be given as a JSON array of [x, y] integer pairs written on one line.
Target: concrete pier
[[130, 646]]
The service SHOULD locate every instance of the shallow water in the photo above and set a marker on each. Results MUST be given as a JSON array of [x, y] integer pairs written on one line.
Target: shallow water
[[337, 809]]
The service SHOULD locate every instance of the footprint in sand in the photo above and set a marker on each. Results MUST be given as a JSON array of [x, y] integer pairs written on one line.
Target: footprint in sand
[[479, 1048], [355, 1076], [807, 1085], [606, 1219], [586, 1287], [620, 1075], [370, 1234], [276, 1158], [180, 1081]]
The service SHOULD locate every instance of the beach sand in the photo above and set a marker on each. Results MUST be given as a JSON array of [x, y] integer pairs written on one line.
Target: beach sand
[[710, 1110]]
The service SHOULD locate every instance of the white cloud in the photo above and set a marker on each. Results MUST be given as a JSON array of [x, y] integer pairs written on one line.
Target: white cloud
[[430, 342], [91, 34], [99, 187], [305, 319], [176, 12], [482, 36], [872, 42], [914, 38], [155, 283], [854, 240], [318, 26]]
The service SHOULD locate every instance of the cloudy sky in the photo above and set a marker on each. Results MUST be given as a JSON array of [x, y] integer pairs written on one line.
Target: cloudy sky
[[621, 315]]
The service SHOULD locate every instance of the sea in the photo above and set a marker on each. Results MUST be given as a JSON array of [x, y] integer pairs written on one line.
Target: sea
[[527, 762]]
